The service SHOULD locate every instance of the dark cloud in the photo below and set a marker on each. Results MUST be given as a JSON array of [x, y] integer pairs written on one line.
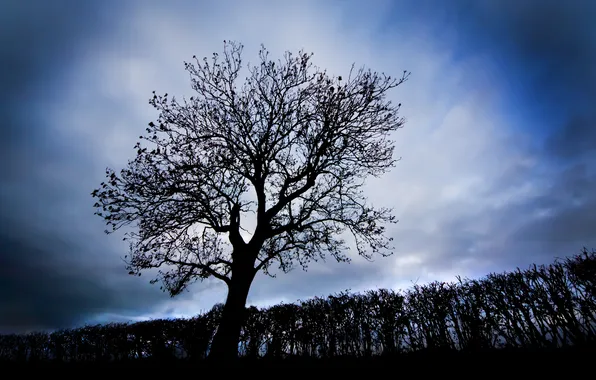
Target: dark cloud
[[53, 270], [548, 50], [554, 43], [39, 42], [38, 293], [545, 52], [577, 138], [568, 210]]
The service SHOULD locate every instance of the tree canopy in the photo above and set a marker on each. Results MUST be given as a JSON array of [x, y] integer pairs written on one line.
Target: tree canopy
[[298, 140]]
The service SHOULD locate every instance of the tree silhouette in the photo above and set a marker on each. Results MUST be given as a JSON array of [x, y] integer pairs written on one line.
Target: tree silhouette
[[300, 141]]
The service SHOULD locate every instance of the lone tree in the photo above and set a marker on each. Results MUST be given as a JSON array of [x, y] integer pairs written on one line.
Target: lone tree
[[300, 141]]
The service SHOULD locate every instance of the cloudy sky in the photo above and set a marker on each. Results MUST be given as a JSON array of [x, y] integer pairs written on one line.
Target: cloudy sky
[[498, 152]]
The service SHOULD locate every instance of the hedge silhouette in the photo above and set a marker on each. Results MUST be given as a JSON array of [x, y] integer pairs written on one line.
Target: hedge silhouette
[[541, 307]]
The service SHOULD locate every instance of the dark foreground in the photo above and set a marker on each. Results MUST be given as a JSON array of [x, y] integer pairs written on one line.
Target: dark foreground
[[555, 362]]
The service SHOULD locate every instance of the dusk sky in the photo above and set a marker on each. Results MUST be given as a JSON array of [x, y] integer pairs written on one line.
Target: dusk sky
[[498, 165]]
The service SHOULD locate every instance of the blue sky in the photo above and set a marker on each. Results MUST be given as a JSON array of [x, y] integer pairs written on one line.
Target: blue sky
[[498, 151]]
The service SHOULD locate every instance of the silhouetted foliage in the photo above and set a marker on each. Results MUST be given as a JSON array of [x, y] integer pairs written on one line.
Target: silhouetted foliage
[[301, 141], [543, 308]]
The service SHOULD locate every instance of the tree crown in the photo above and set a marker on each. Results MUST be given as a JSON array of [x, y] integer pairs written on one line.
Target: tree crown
[[300, 141]]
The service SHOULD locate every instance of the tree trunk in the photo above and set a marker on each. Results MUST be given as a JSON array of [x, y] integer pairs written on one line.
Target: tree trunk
[[227, 337]]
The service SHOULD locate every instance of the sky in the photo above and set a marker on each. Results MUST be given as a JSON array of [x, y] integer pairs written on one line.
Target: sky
[[498, 153]]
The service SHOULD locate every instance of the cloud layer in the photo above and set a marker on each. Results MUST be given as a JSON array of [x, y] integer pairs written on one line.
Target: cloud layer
[[497, 166]]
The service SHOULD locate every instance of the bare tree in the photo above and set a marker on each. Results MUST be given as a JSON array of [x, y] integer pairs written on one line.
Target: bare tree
[[303, 142]]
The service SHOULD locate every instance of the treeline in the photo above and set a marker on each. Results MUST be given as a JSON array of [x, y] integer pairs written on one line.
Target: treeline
[[542, 307]]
